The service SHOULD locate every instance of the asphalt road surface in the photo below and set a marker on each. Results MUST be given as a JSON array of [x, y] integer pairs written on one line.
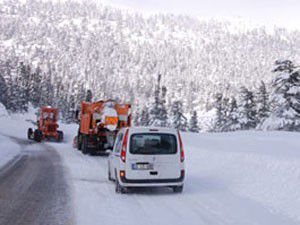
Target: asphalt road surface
[[33, 189]]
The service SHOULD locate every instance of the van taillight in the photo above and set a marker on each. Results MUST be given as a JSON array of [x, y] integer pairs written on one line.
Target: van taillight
[[181, 148], [124, 146]]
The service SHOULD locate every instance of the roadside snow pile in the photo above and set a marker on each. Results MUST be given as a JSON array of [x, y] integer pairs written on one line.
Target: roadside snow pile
[[8, 150], [3, 111], [16, 125], [260, 166]]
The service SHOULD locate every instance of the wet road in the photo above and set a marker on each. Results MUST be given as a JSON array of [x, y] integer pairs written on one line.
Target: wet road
[[33, 188]]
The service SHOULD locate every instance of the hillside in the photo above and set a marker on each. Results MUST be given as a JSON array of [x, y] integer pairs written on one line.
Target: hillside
[[118, 53]]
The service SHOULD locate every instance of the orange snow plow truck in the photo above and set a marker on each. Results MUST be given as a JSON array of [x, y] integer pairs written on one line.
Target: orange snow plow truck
[[47, 126], [99, 123]]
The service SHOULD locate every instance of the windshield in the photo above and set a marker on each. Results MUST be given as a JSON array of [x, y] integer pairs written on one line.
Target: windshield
[[48, 116], [153, 144]]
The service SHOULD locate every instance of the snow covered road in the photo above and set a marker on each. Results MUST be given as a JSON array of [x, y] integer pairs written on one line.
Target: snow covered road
[[33, 189], [242, 178]]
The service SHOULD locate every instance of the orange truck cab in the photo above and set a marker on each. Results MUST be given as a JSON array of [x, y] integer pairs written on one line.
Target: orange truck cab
[[99, 123], [47, 126]]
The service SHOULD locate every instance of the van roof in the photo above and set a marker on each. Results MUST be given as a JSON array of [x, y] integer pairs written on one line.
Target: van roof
[[152, 129]]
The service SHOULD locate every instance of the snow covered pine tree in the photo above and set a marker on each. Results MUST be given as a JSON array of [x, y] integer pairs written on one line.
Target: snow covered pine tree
[[193, 123], [3, 91], [158, 112], [179, 121], [285, 98], [262, 101], [144, 120], [232, 121], [220, 119], [247, 109]]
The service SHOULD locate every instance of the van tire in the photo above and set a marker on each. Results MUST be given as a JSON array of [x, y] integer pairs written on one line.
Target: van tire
[[109, 176], [178, 189], [119, 188]]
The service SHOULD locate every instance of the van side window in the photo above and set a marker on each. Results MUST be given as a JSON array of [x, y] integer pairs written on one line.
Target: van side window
[[119, 143]]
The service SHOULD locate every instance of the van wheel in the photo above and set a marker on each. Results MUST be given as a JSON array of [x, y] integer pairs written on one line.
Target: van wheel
[[178, 189], [119, 188], [109, 176]]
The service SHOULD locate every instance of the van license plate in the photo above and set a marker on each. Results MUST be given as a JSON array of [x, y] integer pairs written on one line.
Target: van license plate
[[142, 166]]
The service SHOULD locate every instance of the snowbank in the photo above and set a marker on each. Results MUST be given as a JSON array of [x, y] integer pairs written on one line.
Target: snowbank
[[260, 166], [16, 124], [3, 111], [8, 150]]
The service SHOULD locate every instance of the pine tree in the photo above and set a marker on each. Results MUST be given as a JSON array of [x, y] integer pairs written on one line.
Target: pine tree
[[263, 110], [47, 91], [179, 121], [89, 96], [11, 86], [3, 91], [247, 109], [163, 109], [232, 122], [285, 98], [193, 123], [220, 108], [158, 112], [137, 118], [35, 88], [144, 120], [22, 80]]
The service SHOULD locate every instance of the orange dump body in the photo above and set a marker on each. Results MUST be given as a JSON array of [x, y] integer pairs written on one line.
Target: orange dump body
[[47, 122], [92, 113]]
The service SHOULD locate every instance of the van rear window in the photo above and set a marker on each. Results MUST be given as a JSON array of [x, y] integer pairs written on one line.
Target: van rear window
[[153, 144]]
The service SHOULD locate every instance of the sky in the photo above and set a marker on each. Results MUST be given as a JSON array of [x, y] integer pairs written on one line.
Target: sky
[[283, 13]]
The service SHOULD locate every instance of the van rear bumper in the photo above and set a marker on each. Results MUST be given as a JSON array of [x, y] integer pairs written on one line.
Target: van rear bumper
[[153, 182]]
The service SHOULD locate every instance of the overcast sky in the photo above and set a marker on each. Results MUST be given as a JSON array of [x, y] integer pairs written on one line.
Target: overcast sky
[[269, 12]]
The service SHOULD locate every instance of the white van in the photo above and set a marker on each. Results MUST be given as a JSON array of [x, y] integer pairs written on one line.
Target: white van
[[147, 157]]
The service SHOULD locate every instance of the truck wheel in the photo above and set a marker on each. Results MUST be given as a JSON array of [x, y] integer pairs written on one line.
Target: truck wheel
[[178, 189], [38, 135], [85, 149], [79, 142], [60, 136], [29, 133]]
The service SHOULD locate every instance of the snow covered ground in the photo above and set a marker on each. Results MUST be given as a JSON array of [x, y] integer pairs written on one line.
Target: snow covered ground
[[8, 150], [11, 125], [232, 178]]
